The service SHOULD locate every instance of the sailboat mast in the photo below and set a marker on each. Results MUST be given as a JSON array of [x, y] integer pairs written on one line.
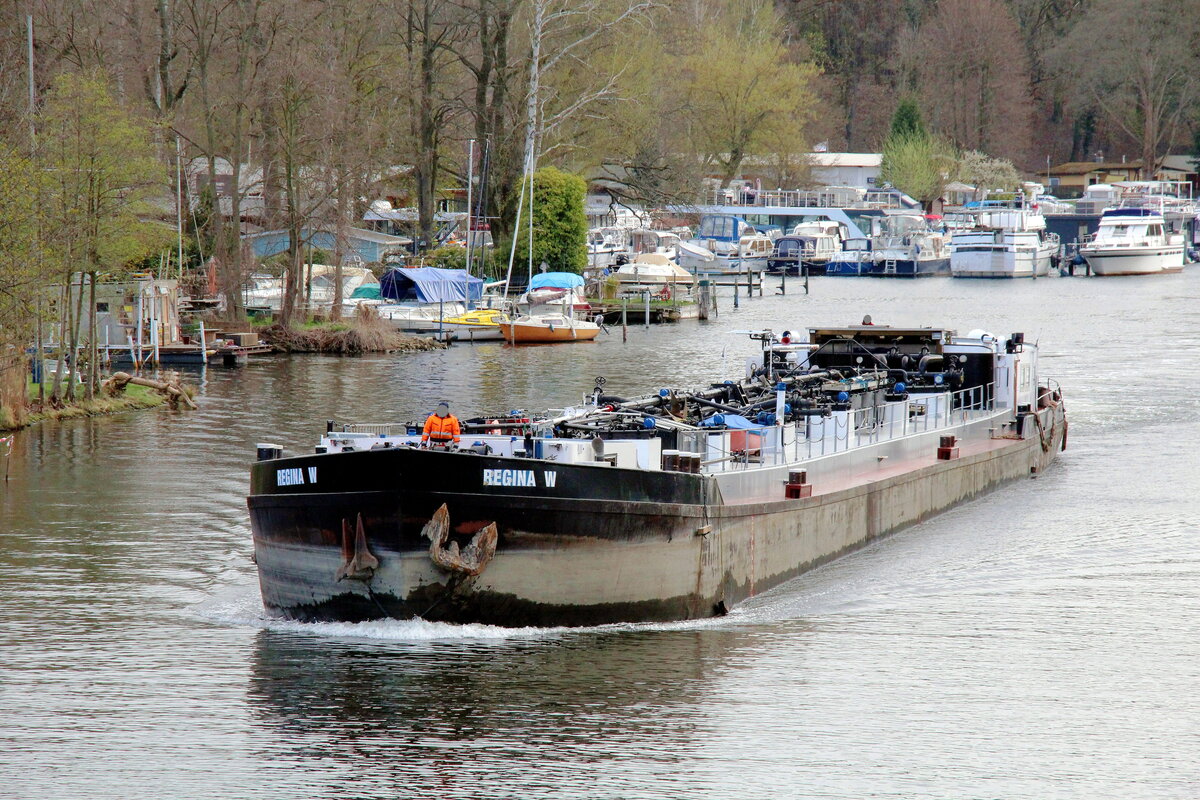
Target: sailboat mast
[[470, 181]]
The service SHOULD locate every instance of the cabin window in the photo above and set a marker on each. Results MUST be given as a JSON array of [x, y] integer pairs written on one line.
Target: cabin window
[[101, 308], [717, 228]]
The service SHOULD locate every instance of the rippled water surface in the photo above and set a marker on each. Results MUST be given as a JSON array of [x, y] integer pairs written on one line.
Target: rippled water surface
[[1043, 641]]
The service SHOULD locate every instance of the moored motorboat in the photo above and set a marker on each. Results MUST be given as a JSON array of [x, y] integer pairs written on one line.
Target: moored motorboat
[[1005, 243], [655, 273], [675, 505], [1133, 241], [726, 244]]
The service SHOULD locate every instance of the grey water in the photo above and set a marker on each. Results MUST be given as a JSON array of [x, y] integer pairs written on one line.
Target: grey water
[[1041, 641]]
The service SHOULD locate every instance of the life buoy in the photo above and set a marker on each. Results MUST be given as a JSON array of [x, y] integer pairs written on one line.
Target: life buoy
[[665, 294]]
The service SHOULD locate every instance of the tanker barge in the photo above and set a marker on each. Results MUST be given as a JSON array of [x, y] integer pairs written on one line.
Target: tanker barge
[[676, 505]]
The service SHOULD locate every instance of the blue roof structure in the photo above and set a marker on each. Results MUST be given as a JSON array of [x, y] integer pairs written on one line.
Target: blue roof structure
[[430, 285]]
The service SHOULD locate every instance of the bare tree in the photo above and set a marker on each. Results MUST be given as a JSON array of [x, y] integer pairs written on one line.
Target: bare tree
[[973, 78], [1143, 75], [431, 31]]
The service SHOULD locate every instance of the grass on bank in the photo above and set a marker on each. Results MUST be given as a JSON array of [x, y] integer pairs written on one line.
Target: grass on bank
[[135, 397], [365, 332]]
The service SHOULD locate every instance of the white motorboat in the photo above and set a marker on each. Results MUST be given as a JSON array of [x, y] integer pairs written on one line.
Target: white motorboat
[[646, 241], [1133, 241], [656, 273], [606, 245], [317, 286], [736, 247], [1006, 243]]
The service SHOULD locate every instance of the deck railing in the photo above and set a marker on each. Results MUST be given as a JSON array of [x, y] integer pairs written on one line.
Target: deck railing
[[822, 436]]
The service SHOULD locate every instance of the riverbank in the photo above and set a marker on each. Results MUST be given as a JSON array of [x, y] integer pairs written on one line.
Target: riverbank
[[135, 398], [354, 337]]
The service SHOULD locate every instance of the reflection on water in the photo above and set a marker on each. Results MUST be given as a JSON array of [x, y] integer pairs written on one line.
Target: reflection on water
[[521, 712], [1041, 641]]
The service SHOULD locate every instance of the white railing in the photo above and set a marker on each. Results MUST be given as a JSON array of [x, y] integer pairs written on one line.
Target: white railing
[[820, 436], [821, 198]]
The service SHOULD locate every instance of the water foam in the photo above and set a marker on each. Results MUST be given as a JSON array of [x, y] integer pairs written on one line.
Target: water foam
[[240, 606]]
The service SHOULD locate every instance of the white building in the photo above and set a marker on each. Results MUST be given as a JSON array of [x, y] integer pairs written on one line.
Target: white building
[[846, 169]]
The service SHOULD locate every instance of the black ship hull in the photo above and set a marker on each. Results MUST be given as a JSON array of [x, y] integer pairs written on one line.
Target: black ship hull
[[577, 544]]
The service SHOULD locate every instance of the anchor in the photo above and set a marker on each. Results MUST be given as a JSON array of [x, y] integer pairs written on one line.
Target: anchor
[[359, 564], [472, 559]]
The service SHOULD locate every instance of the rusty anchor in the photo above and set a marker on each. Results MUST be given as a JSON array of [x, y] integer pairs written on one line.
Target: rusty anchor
[[359, 564], [470, 560]]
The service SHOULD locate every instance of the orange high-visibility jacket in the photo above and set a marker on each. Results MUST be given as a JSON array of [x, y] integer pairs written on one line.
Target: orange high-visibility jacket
[[441, 429]]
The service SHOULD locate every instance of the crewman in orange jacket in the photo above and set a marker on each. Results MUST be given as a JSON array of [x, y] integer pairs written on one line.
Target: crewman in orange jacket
[[441, 429]]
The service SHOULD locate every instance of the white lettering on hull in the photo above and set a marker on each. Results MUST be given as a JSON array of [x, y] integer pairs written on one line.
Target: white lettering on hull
[[292, 476], [520, 478]]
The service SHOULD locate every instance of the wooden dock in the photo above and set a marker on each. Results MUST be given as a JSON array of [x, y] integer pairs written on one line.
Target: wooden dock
[[635, 311]]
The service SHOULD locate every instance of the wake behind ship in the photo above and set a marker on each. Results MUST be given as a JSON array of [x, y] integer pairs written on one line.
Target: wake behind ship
[[676, 505]]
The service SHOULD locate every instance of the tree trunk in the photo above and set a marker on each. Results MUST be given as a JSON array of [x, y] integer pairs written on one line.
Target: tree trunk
[[339, 243], [93, 373], [75, 321], [64, 320], [291, 283]]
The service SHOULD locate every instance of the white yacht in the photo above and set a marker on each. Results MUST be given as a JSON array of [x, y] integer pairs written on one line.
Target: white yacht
[[646, 241], [606, 246], [656, 273], [726, 244], [901, 245], [1133, 241], [1005, 243]]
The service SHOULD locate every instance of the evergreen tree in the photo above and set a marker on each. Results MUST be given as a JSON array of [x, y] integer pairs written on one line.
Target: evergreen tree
[[559, 223], [907, 122]]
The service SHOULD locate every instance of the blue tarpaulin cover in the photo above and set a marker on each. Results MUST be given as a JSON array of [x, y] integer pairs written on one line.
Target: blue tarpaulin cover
[[731, 421], [430, 285], [556, 280]]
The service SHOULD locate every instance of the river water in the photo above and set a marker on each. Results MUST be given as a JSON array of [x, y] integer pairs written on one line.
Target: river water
[[1042, 641]]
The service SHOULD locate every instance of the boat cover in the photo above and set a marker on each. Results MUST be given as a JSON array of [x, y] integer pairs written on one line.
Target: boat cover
[[731, 421], [556, 280], [368, 291], [430, 285]]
